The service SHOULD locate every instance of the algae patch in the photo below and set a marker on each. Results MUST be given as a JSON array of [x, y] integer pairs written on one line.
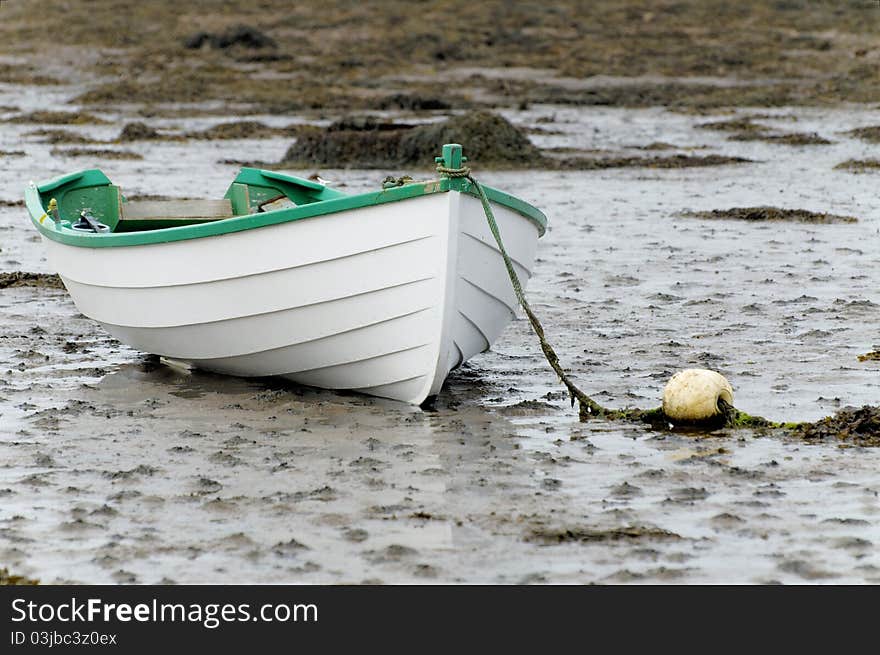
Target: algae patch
[[491, 140], [55, 136], [22, 279], [870, 134], [771, 214], [860, 426], [859, 165], [856, 426], [745, 129], [739, 125], [98, 153], [138, 131], [784, 138], [589, 535], [670, 162], [244, 130], [57, 118], [369, 143], [728, 417], [8, 579]]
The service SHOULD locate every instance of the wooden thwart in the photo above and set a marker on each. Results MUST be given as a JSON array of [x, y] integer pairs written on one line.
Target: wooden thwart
[[146, 210]]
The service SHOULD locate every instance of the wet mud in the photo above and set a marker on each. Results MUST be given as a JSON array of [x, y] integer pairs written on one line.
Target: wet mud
[[499, 481], [689, 55], [117, 469]]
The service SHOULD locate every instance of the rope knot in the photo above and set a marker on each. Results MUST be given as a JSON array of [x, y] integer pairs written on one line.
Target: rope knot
[[390, 182], [464, 171]]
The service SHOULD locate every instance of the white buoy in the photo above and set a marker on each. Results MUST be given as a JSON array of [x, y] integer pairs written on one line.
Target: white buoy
[[692, 395]]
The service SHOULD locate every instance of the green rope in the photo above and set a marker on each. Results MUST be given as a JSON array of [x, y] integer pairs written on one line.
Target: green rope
[[464, 171], [587, 406]]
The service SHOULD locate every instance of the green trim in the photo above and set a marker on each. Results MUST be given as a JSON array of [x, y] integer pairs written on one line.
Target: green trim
[[505, 199], [239, 196], [312, 200]]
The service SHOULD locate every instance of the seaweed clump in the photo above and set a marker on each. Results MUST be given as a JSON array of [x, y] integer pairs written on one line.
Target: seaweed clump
[[490, 139], [785, 138], [580, 534], [55, 136], [243, 36], [22, 279], [755, 214], [859, 165], [243, 130], [859, 425], [48, 117], [673, 161], [741, 125], [138, 132], [370, 143], [728, 417], [746, 130], [97, 153], [870, 134], [7, 578]]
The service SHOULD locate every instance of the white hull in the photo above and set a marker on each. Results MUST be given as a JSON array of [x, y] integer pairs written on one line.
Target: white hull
[[384, 300]]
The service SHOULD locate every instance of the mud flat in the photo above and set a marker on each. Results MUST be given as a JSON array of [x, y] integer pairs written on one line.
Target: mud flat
[[693, 56], [118, 469], [499, 482]]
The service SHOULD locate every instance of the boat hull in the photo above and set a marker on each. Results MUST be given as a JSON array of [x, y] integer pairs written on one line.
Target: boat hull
[[384, 300]]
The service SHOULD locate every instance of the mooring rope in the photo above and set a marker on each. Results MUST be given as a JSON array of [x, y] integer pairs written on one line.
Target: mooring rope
[[587, 406]]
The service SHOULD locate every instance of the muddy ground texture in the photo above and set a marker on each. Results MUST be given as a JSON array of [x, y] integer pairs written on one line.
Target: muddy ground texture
[[709, 171], [271, 57]]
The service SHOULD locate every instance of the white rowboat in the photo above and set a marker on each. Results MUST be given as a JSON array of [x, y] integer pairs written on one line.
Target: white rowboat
[[382, 293]]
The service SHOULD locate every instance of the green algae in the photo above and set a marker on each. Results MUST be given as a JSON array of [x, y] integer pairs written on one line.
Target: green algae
[[850, 425]]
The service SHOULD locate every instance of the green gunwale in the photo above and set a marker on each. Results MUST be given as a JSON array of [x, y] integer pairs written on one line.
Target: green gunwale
[[38, 194]]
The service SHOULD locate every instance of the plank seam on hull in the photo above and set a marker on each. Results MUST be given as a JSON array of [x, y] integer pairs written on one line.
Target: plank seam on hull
[[257, 273], [495, 250], [385, 384], [276, 311], [354, 361], [478, 329], [492, 296], [317, 339]]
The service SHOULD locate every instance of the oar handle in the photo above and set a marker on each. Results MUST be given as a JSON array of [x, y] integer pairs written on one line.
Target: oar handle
[[87, 221]]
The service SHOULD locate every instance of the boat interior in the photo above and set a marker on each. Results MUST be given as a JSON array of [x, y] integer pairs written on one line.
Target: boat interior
[[103, 207]]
